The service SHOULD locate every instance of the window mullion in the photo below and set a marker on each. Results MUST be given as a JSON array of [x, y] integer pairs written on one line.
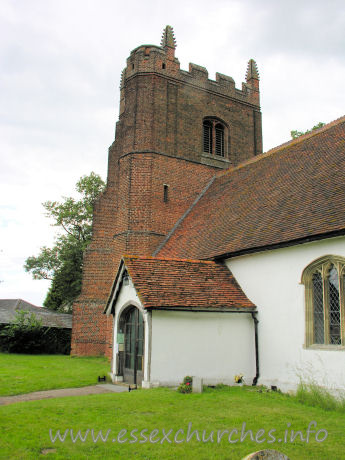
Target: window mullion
[[310, 339], [325, 303], [341, 302]]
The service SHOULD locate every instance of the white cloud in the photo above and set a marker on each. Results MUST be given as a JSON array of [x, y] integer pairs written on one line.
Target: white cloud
[[61, 64]]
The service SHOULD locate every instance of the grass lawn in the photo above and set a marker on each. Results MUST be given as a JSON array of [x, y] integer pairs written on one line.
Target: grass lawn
[[26, 373], [25, 426]]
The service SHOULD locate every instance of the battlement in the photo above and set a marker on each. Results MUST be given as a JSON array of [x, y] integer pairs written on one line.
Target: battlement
[[161, 60], [163, 108]]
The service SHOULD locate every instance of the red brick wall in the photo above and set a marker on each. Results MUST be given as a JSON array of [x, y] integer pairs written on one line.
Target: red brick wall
[[134, 220], [158, 141], [163, 109]]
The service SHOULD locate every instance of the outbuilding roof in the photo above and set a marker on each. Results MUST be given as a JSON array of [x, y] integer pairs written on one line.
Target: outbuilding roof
[[293, 193], [49, 318]]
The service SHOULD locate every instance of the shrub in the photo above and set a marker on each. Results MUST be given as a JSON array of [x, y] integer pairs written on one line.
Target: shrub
[[187, 385], [26, 334]]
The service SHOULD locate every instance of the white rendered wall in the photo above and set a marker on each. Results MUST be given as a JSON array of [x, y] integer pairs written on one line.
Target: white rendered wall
[[213, 346], [271, 280]]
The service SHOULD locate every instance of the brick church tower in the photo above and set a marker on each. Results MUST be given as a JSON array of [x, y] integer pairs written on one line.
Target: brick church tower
[[176, 130]]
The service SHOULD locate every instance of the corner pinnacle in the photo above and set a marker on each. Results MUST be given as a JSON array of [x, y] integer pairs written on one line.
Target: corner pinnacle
[[168, 38], [252, 70]]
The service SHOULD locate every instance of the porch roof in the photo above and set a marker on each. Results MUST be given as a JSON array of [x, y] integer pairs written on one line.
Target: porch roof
[[182, 284]]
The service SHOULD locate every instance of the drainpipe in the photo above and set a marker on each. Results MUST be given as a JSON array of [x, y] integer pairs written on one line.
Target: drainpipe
[[256, 378]]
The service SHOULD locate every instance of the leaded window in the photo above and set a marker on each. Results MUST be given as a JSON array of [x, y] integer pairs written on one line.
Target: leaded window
[[332, 284], [318, 310], [325, 310]]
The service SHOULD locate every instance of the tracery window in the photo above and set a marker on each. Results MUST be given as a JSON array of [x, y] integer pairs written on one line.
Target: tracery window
[[214, 137], [324, 281]]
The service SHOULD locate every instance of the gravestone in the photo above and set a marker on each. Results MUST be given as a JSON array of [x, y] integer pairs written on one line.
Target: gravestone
[[267, 454], [197, 385]]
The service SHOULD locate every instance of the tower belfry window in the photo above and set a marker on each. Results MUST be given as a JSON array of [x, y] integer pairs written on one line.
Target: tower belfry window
[[207, 127], [219, 140], [214, 138]]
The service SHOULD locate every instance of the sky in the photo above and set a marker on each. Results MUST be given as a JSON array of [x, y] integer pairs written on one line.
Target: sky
[[61, 64]]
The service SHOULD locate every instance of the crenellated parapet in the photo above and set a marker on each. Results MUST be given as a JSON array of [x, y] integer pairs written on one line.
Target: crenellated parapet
[[161, 60]]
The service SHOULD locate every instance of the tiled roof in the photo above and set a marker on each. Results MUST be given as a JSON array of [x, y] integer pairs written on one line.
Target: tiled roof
[[171, 283], [293, 192], [49, 318]]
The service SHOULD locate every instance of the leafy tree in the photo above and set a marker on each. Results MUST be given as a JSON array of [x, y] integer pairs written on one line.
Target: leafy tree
[[295, 134], [44, 265], [63, 262], [67, 278]]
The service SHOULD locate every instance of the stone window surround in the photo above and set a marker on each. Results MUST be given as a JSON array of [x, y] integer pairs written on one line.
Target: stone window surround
[[323, 264], [216, 121]]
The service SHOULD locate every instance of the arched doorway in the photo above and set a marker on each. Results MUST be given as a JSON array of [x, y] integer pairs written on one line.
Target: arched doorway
[[132, 359]]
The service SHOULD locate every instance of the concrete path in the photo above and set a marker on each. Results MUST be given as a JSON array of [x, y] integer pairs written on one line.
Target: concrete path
[[90, 390]]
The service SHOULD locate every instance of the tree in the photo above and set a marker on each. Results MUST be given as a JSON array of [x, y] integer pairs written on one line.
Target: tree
[[63, 262], [295, 134]]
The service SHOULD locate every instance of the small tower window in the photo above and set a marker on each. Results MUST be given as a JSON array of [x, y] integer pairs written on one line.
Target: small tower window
[[163, 65], [132, 66], [165, 193], [214, 138]]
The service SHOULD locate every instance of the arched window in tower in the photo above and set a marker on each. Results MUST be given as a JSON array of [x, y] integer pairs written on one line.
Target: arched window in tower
[[207, 131], [214, 136], [219, 140]]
